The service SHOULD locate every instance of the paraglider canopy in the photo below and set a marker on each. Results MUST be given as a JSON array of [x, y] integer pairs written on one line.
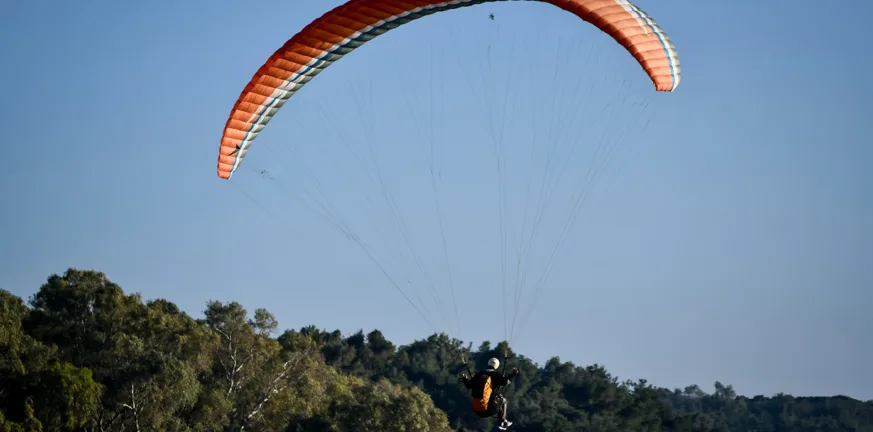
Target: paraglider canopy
[[350, 25]]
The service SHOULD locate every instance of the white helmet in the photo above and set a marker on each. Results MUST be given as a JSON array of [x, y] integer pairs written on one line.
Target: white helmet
[[494, 363]]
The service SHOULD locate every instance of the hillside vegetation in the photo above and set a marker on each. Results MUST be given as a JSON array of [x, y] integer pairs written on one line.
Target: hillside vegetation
[[81, 354]]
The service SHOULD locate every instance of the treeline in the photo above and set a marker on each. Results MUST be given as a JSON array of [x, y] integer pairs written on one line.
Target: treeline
[[83, 355]]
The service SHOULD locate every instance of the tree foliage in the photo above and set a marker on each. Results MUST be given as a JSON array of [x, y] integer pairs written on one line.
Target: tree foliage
[[83, 355]]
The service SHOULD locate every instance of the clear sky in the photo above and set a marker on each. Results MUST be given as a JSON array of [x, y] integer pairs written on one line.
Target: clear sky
[[732, 239]]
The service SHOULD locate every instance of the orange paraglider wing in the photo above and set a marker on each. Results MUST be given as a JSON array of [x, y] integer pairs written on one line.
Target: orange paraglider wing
[[352, 24]]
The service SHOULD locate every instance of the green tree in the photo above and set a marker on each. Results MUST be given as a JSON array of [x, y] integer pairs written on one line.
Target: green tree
[[251, 370], [383, 406], [37, 391]]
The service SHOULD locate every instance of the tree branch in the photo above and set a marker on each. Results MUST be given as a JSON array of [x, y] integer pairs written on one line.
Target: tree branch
[[275, 387], [133, 406]]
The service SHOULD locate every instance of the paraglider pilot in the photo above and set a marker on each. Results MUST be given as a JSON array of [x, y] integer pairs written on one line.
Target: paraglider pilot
[[485, 388]]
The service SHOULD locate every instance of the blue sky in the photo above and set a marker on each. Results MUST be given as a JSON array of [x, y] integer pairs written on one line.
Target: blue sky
[[731, 239]]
